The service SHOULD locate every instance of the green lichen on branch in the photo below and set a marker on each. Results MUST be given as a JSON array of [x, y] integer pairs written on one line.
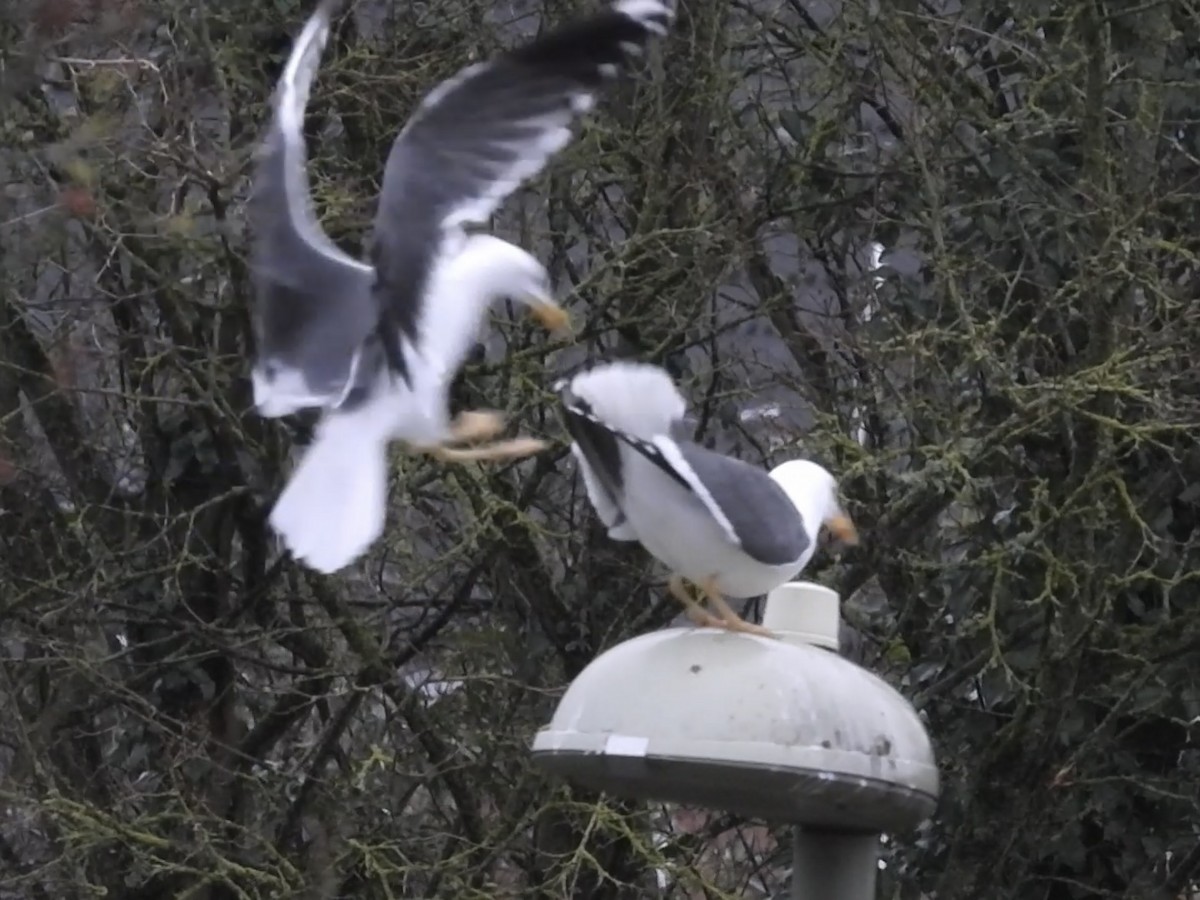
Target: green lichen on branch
[[1010, 399]]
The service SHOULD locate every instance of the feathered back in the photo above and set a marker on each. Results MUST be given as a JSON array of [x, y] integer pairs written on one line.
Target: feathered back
[[637, 398]]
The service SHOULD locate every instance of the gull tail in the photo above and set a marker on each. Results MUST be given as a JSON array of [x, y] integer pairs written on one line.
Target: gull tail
[[636, 398], [335, 504], [600, 488], [602, 406]]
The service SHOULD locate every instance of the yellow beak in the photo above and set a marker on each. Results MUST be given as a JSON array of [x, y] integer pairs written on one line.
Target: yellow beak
[[843, 529], [549, 314]]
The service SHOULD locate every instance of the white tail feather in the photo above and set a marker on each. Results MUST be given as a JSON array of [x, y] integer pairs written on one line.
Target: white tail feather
[[636, 398], [335, 504]]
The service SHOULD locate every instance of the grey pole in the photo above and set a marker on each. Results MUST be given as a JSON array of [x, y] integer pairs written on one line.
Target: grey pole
[[831, 866]]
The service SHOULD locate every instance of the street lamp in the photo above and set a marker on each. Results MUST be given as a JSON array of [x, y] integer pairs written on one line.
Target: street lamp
[[784, 730]]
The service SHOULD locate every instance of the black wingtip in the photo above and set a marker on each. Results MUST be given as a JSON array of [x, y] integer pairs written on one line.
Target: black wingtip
[[598, 443], [607, 38], [576, 408], [576, 412]]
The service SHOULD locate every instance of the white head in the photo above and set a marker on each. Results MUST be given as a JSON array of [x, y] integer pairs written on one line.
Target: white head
[[505, 271], [814, 491]]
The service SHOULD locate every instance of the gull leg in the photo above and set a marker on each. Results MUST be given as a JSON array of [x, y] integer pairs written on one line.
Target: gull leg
[[697, 613], [476, 425], [511, 449], [730, 620]]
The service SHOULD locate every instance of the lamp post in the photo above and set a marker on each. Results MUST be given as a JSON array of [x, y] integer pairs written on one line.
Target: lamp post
[[784, 730]]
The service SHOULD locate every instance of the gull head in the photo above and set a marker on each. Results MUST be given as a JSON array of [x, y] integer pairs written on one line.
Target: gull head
[[814, 491], [510, 272]]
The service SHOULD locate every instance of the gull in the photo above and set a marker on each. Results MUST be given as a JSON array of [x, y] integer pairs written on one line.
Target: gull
[[375, 345], [728, 527]]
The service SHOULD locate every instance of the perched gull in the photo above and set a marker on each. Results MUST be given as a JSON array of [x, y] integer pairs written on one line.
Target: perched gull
[[728, 527], [376, 346]]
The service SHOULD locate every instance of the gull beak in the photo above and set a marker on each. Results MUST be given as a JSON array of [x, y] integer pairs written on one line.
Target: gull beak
[[549, 314], [843, 529]]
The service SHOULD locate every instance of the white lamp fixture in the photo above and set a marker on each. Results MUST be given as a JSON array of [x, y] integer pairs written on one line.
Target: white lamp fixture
[[783, 730]]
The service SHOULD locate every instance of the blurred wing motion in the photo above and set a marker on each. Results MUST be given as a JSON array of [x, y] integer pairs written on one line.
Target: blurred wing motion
[[480, 135], [329, 327], [313, 305]]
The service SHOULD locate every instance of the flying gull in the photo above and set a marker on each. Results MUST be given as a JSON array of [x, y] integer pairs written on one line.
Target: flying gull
[[375, 346], [728, 527]]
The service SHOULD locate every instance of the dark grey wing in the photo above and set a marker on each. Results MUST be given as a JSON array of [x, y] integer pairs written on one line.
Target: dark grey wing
[[752, 508], [313, 304], [597, 450], [480, 134]]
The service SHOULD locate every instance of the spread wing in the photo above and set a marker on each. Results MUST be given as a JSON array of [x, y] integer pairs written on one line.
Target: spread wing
[[313, 304], [479, 135]]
